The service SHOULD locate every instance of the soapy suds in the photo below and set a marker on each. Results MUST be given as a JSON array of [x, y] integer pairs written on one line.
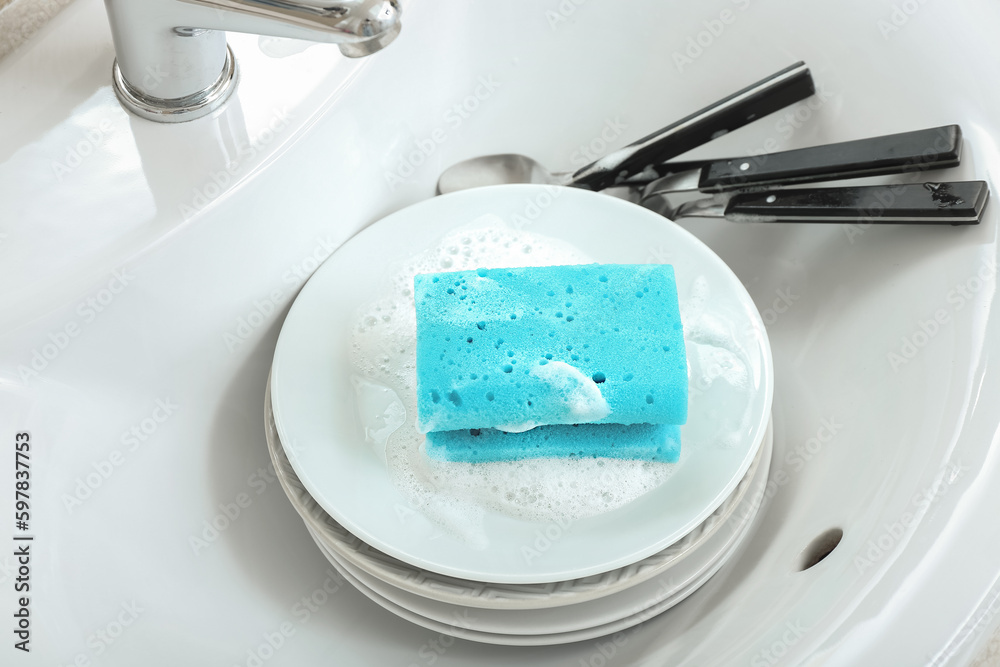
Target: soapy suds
[[718, 371], [523, 427], [380, 410], [580, 394], [456, 496]]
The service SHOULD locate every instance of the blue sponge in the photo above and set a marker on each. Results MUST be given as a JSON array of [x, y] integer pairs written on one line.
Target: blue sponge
[[649, 442], [523, 347]]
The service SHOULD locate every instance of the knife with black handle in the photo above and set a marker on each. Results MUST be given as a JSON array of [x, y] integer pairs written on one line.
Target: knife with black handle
[[955, 203], [922, 150], [777, 91]]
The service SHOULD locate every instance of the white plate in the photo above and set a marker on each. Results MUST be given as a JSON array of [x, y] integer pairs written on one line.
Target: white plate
[[653, 593], [355, 554], [462, 625], [314, 402]]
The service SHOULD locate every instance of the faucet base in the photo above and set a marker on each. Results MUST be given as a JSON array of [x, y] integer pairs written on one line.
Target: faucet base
[[178, 109]]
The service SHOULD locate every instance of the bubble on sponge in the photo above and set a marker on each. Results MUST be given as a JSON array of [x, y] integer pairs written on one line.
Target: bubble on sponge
[[579, 394]]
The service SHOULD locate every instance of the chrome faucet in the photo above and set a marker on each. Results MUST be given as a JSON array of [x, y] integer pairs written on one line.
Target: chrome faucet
[[173, 63]]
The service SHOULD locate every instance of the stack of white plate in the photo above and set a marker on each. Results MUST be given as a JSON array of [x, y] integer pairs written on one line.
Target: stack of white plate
[[521, 581], [554, 612]]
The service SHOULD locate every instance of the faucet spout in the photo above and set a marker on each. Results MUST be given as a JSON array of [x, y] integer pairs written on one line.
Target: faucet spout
[[173, 64], [359, 27]]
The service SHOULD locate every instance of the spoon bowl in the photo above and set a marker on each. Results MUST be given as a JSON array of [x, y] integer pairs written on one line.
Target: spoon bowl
[[501, 169]]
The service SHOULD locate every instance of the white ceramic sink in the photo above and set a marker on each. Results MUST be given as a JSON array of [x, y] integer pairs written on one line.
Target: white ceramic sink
[[145, 277]]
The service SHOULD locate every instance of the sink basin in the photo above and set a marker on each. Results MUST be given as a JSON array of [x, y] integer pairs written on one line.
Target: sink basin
[[147, 269]]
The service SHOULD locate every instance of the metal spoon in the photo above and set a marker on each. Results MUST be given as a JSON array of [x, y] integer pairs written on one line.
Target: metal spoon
[[777, 91], [497, 170]]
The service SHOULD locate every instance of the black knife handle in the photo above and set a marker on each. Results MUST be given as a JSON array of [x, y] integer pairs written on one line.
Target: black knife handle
[[922, 150], [775, 92], [956, 203]]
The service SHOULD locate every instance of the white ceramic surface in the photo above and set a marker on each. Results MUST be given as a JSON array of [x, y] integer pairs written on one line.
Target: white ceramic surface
[[315, 407], [358, 556], [670, 583], [858, 443]]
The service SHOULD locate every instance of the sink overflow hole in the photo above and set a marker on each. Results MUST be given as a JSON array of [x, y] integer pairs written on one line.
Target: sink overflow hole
[[820, 548]]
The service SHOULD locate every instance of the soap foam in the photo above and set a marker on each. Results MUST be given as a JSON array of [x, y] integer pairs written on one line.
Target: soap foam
[[456, 495], [580, 392], [718, 371], [581, 395]]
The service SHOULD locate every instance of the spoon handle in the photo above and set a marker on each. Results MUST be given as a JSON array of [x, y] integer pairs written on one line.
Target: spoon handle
[[777, 91], [956, 203]]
